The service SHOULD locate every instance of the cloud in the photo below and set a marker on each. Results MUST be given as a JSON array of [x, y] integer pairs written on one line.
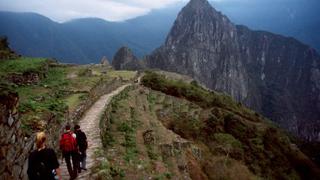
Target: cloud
[[64, 10]]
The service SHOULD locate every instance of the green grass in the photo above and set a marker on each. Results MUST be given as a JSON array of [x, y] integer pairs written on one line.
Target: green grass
[[125, 75], [21, 65], [56, 79], [74, 100], [191, 92], [227, 141], [84, 83]]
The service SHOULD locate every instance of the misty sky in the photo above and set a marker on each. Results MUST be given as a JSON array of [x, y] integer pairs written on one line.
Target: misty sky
[[119, 10], [111, 10], [64, 10]]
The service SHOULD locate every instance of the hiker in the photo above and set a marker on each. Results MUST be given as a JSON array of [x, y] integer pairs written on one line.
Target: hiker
[[68, 146], [82, 145], [43, 162]]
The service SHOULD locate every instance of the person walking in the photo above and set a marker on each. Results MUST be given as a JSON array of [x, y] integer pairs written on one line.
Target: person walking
[[82, 146], [43, 162], [68, 146]]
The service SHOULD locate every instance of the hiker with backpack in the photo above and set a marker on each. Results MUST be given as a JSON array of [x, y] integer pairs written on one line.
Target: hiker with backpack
[[43, 162], [82, 145], [68, 146]]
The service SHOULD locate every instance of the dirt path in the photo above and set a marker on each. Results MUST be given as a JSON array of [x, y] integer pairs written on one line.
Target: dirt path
[[89, 124]]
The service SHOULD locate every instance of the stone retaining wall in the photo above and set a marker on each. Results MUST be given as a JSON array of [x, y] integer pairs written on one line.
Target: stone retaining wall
[[15, 148]]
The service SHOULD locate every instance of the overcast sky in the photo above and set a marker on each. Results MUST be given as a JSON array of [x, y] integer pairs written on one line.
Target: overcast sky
[[64, 10]]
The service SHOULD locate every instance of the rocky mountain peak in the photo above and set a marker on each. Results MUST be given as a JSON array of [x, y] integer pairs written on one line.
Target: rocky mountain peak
[[198, 25], [104, 61], [198, 3], [274, 75], [124, 59]]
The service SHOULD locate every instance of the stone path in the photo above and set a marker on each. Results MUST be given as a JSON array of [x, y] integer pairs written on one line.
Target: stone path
[[89, 124]]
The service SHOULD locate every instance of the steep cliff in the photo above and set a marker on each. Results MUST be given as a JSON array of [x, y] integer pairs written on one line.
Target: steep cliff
[[275, 75]]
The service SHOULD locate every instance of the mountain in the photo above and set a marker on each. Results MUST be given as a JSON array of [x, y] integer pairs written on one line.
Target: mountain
[[87, 40], [295, 18], [84, 40], [275, 75], [124, 59]]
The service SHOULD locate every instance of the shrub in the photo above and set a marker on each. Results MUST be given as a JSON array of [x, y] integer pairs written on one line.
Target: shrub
[[124, 127], [229, 145], [191, 92]]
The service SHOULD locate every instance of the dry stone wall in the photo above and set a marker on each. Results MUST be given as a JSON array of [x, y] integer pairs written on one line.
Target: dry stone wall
[[15, 148]]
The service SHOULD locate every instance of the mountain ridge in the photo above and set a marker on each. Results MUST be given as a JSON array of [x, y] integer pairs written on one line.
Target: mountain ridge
[[267, 72], [148, 32]]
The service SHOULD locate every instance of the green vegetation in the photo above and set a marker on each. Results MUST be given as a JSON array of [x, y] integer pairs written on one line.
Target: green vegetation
[[22, 65], [126, 126], [55, 79], [191, 92], [242, 138], [74, 100], [105, 170], [188, 129], [57, 89], [194, 93], [125, 75], [229, 145]]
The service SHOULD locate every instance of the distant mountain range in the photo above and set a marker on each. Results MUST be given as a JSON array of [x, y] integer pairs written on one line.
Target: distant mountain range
[[82, 40], [88, 40]]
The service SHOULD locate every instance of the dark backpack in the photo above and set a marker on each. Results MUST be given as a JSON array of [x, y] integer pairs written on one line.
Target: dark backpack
[[68, 143], [81, 140], [40, 169]]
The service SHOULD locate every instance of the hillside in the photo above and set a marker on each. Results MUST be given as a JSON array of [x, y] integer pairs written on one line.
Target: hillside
[[169, 129], [275, 75], [43, 95]]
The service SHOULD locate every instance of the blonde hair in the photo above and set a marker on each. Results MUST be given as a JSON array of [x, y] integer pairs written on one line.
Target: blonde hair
[[40, 139]]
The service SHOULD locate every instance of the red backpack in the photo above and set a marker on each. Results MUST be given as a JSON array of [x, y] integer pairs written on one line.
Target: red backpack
[[68, 143]]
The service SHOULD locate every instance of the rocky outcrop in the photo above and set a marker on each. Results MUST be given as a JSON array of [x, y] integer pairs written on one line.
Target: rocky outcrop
[[104, 61], [26, 78], [275, 75], [5, 51], [124, 59]]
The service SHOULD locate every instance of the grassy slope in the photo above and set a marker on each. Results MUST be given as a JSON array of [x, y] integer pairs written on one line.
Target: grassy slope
[[227, 140], [63, 88]]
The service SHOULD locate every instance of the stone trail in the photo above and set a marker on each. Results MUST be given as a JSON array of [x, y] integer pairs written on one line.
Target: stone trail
[[89, 124]]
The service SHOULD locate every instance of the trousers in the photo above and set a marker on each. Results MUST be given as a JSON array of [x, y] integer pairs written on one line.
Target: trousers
[[72, 169]]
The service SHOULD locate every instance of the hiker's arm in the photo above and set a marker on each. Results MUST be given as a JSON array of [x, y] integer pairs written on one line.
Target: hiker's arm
[[58, 173]]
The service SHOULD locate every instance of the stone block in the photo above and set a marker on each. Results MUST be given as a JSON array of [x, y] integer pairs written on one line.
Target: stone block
[[166, 150], [16, 171], [13, 139], [149, 137], [2, 166]]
